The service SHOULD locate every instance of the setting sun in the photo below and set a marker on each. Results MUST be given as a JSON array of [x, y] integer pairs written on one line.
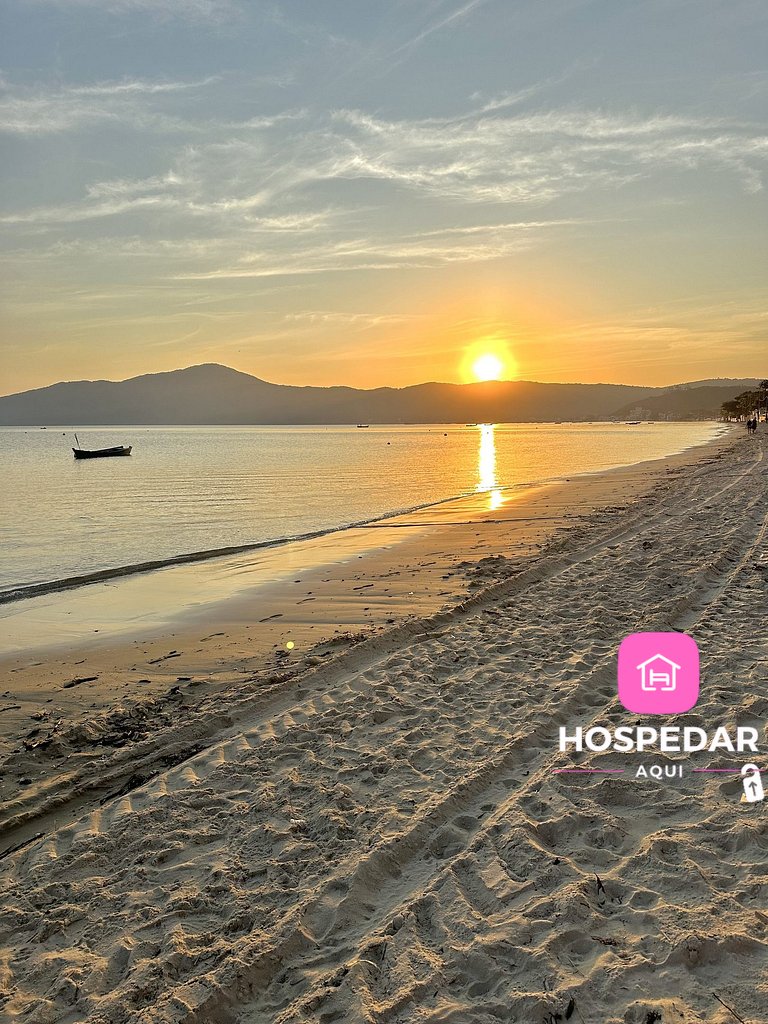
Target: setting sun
[[489, 357], [487, 367]]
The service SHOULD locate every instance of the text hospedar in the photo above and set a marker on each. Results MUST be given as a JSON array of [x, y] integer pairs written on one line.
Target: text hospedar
[[668, 738]]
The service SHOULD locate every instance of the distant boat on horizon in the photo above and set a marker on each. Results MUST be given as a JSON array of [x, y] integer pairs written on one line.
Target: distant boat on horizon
[[363, 426]]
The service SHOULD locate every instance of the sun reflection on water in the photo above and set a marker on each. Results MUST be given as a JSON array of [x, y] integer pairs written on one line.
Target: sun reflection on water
[[486, 466]]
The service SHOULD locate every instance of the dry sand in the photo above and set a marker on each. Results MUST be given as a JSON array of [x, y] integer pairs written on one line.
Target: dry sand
[[368, 828]]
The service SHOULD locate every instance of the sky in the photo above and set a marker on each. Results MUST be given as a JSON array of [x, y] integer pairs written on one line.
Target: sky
[[377, 192]]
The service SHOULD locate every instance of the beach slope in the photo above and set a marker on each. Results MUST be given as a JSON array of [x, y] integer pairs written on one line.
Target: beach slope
[[386, 837]]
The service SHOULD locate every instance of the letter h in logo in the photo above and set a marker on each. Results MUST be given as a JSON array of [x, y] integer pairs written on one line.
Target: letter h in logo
[[658, 673]]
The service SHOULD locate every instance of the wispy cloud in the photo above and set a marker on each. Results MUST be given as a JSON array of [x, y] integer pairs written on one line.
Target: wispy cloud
[[536, 157], [415, 251], [137, 87], [26, 110], [179, 192], [196, 9], [456, 15], [98, 205], [364, 321], [272, 193]]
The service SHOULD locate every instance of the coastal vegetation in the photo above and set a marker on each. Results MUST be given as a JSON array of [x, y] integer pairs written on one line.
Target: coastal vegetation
[[747, 404]]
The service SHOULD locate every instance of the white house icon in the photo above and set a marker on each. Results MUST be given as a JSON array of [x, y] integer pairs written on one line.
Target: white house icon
[[662, 678]]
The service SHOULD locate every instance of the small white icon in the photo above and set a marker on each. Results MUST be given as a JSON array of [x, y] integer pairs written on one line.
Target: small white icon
[[753, 784], [662, 679]]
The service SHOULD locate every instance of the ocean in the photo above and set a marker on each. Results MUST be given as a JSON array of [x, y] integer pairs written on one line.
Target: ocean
[[189, 489]]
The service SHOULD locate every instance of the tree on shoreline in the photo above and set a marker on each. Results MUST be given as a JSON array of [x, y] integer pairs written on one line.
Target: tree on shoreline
[[747, 404]]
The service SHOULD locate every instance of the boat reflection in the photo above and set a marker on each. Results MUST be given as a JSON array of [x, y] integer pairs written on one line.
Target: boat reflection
[[486, 466]]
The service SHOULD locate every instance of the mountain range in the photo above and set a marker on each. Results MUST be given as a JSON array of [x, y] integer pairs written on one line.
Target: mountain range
[[215, 394]]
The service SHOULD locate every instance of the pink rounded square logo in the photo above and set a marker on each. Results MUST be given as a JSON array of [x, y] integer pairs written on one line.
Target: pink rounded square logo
[[658, 673]]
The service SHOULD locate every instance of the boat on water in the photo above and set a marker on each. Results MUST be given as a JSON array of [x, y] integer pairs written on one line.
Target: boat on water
[[363, 426], [102, 453]]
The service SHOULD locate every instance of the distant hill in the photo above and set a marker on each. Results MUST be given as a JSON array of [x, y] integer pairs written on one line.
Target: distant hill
[[214, 394], [741, 384], [685, 403]]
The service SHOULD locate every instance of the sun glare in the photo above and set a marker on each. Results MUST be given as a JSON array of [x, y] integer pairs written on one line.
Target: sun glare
[[489, 357], [487, 367]]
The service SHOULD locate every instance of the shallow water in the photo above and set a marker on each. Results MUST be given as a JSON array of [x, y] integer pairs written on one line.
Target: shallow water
[[188, 489]]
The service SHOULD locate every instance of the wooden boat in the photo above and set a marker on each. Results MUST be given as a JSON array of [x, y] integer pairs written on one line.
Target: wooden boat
[[102, 453]]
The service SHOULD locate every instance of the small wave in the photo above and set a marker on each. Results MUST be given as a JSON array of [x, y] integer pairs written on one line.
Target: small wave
[[26, 591]]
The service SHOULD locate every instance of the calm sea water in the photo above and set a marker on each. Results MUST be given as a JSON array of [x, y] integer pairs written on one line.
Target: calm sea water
[[188, 489]]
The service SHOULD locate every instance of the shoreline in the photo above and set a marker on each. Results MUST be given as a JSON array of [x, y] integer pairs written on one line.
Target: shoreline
[[23, 600], [209, 625], [205, 629], [402, 790], [24, 591]]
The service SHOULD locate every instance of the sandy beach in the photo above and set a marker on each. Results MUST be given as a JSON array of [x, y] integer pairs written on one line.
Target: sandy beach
[[322, 785]]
